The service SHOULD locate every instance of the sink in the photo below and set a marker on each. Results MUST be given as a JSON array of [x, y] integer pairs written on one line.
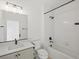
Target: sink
[[13, 46]]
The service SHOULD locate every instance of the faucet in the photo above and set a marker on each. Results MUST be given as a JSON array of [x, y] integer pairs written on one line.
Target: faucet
[[16, 41]]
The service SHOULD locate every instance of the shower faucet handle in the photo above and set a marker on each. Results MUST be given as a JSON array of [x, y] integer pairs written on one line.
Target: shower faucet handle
[[50, 45], [51, 42], [50, 38]]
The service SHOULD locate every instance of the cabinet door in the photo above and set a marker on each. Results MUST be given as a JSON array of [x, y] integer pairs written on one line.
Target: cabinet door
[[26, 54], [11, 56]]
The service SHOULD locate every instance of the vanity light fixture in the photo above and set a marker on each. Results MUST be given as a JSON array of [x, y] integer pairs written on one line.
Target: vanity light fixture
[[14, 5]]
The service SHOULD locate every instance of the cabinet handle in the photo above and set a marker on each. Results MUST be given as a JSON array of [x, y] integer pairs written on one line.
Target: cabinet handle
[[18, 54], [19, 35]]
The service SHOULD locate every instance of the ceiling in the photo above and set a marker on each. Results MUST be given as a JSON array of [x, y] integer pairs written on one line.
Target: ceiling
[[48, 4]]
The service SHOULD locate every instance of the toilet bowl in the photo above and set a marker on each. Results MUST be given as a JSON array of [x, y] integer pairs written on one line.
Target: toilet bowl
[[42, 53]]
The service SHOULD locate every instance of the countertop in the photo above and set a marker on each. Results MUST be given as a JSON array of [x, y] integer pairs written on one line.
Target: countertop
[[4, 51]]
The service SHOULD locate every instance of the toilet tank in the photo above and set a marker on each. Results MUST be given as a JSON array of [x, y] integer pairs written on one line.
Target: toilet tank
[[37, 44]]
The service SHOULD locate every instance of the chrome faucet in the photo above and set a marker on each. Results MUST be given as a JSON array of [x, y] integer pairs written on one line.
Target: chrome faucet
[[16, 41]]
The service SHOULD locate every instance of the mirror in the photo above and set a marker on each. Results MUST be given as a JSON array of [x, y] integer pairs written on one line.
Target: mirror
[[12, 26], [12, 30]]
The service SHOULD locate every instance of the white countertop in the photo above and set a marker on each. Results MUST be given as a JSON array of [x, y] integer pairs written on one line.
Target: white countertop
[[5, 50]]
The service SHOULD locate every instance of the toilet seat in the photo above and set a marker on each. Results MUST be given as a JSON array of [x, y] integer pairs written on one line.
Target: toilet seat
[[42, 53]]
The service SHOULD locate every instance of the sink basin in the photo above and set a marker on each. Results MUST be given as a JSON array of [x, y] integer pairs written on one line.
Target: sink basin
[[13, 46]]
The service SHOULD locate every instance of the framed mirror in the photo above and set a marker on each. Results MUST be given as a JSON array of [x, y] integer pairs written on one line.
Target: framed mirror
[[13, 26]]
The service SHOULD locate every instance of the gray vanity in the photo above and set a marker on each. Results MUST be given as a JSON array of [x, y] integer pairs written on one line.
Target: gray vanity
[[23, 52]]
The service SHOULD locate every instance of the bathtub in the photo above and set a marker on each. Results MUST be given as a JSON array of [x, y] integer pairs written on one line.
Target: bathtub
[[55, 54]]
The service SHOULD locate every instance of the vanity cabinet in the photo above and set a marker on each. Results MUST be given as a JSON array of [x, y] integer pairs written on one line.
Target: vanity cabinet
[[23, 54]]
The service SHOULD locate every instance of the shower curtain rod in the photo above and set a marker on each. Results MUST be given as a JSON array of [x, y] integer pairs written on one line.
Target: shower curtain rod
[[59, 6]]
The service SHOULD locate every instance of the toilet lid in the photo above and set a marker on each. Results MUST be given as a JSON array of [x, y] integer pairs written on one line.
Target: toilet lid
[[42, 53]]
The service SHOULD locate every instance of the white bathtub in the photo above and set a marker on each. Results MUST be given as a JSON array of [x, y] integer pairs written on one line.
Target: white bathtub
[[55, 54]]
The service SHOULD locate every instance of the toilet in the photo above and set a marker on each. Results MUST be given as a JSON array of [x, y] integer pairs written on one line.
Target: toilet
[[42, 53]]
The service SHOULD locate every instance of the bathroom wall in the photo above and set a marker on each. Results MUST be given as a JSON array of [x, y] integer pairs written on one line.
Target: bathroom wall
[[35, 18], [65, 33]]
